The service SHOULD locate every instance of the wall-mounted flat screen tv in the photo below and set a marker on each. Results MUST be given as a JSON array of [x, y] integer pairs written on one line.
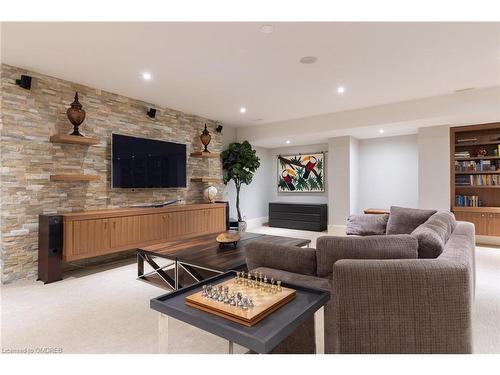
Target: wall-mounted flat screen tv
[[147, 163]]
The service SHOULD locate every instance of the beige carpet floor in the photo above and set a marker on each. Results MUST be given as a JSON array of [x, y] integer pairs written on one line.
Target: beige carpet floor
[[104, 309]]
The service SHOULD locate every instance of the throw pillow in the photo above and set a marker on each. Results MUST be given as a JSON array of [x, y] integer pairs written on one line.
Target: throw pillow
[[404, 220], [434, 233], [366, 225]]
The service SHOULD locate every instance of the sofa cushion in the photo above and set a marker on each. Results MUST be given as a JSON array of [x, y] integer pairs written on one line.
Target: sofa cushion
[[434, 233], [366, 225], [296, 278], [330, 249], [404, 220], [288, 258]]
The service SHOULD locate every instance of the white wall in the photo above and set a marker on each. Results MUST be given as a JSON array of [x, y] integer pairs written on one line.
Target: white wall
[[388, 172], [409, 170], [354, 175], [339, 180], [254, 198], [299, 197], [434, 167]]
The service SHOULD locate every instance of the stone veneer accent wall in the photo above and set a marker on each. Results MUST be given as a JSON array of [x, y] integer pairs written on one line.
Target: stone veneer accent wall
[[29, 118]]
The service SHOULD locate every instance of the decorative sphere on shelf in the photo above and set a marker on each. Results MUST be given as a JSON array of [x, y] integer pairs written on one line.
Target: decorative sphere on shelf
[[210, 193]]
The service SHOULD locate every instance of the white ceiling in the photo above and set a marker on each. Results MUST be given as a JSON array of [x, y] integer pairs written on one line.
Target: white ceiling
[[212, 69]]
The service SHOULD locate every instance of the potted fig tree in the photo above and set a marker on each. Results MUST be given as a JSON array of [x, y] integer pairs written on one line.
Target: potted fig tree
[[239, 163]]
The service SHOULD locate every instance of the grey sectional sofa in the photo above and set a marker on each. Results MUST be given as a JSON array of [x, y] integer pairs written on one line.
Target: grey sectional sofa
[[384, 298]]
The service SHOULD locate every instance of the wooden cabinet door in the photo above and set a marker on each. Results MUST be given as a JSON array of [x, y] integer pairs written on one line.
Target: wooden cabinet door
[[493, 224], [125, 231], [90, 238], [479, 220], [217, 220], [154, 227]]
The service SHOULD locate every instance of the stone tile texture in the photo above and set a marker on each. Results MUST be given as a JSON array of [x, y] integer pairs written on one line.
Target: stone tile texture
[[27, 158]]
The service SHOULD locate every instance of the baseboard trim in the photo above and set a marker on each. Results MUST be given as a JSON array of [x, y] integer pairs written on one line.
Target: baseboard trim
[[337, 230], [256, 222], [487, 240]]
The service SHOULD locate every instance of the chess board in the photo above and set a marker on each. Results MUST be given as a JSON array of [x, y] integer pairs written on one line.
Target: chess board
[[265, 303]]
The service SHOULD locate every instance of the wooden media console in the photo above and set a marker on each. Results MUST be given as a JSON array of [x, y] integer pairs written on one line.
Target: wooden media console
[[89, 234]]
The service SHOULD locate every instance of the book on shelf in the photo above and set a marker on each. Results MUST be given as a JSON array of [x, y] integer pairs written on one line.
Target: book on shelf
[[466, 140], [462, 154], [467, 201], [477, 180], [476, 166]]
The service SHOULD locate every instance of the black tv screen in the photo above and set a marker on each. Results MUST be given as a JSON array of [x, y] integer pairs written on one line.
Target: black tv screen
[[147, 163]]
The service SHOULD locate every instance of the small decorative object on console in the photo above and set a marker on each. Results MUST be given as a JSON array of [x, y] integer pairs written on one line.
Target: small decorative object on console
[[210, 193], [205, 138], [228, 238], [76, 115], [244, 299]]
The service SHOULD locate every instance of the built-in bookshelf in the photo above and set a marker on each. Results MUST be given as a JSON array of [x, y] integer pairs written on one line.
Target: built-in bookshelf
[[475, 176]]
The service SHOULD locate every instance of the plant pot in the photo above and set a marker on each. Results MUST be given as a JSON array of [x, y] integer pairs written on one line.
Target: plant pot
[[242, 226]]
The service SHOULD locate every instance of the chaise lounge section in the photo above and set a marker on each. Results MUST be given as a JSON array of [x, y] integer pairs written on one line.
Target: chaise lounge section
[[384, 298]]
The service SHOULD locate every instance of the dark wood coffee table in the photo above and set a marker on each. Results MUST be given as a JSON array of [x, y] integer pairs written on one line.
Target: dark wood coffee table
[[198, 255]]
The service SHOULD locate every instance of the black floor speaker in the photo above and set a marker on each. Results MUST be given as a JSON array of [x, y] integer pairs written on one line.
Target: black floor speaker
[[50, 245]]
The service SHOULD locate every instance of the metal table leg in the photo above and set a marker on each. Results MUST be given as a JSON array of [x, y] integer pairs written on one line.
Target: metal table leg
[[231, 349], [176, 275]]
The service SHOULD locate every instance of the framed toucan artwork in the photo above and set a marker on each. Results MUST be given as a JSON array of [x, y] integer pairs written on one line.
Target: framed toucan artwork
[[301, 173]]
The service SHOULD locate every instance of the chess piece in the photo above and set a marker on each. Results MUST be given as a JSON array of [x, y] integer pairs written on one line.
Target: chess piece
[[244, 303], [279, 285], [250, 303], [232, 301], [249, 280], [204, 291]]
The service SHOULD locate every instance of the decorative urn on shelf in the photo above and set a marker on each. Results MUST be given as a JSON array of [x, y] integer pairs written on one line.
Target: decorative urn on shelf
[[210, 193], [76, 115], [205, 138]]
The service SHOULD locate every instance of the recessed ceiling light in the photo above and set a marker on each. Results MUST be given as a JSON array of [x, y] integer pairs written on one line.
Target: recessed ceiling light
[[267, 29], [287, 141], [243, 110], [381, 131], [340, 90], [308, 59], [146, 76]]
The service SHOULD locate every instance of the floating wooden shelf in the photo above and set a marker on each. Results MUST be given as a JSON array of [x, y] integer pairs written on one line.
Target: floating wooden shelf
[[469, 144], [206, 179], [74, 139], [477, 209], [477, 187], [477, 172], [479, 158], [202, 154], [74, 177]]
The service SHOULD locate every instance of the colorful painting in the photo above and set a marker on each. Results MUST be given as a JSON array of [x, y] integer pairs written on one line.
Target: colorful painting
[[302, 173]]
